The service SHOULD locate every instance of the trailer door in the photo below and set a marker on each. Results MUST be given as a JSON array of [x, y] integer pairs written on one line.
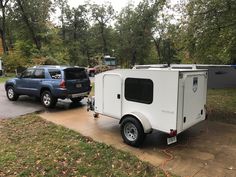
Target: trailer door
[[112, 95], [195, 86]]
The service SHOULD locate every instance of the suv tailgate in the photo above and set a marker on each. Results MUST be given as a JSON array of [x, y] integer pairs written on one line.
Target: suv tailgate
[[76, 80]]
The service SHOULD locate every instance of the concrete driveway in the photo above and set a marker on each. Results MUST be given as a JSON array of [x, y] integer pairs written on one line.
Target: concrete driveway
[[206, 150]]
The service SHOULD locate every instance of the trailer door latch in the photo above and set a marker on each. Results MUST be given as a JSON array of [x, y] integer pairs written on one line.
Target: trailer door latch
[[184, 119], [118, 96]]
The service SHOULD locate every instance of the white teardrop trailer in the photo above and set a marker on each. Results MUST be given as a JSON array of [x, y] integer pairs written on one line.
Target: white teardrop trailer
[[165, 99]]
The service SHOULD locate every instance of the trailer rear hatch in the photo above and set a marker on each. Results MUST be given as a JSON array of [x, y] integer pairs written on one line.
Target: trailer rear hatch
[[194, 98], [76, 80]]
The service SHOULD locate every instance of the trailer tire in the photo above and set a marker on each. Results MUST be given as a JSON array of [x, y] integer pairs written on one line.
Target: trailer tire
[[132, 131]]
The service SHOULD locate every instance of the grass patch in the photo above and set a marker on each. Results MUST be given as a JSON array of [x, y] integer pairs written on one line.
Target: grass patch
[[222, 105], [31, 146], [5, 78]]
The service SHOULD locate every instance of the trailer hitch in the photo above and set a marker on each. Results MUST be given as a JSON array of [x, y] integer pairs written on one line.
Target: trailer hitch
[[90, 106], [90, 103]]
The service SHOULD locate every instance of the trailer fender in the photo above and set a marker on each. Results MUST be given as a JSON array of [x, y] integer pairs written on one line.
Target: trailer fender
[[147, 128]]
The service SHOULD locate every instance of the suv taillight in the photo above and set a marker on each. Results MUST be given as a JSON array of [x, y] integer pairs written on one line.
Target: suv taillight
[[62, 84]]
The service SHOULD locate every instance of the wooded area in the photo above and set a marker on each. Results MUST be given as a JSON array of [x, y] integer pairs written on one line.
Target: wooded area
[[200, 31]]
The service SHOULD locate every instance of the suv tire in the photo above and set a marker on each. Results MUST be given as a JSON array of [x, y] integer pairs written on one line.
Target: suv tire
[[11, 94], [48, 100]]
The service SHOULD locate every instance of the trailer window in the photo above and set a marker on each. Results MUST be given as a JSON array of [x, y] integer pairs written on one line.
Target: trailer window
[[139, 90]]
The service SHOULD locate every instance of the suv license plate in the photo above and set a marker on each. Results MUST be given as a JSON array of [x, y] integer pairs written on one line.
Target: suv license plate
[[75, 95], [78, 85], [171, 140]]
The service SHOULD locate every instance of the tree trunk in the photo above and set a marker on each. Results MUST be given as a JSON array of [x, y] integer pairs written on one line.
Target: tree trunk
[[88, 57], [157, 46], [133, 61], [104, 40], [63, 25], [3, 29], [31, 29], [75, 27]]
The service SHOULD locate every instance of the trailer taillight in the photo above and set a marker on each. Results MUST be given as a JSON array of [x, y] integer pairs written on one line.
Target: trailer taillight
[[173, 132], [62, 84]]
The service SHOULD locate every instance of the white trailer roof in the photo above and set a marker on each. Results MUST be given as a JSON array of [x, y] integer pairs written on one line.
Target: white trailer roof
[[155, 69]]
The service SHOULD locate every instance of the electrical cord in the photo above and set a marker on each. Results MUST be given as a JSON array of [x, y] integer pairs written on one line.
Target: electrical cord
[[170, 155]]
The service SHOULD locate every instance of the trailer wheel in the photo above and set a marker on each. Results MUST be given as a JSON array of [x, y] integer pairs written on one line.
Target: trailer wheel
[[132, 131]]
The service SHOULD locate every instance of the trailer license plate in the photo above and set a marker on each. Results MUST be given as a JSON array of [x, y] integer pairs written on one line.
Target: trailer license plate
[[171, 140]]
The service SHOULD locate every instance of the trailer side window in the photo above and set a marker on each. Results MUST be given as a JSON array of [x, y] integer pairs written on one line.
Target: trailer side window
[[139, 90]]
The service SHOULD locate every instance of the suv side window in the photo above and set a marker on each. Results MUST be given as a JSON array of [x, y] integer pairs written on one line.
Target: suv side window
[[39, 74], [28, 73], [55, 73]]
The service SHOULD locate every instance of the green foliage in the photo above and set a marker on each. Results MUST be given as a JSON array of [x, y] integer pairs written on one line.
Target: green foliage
[[102, 15], [25, 48], [210, 31], [13, 61], [54, 47], [135, 26], [144, 34], [32, 18]]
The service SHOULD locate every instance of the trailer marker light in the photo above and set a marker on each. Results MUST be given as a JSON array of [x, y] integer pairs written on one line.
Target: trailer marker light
[[173, 132]]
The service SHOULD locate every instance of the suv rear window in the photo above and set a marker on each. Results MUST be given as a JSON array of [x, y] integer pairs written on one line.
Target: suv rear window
[[75, 73], [55, 73]]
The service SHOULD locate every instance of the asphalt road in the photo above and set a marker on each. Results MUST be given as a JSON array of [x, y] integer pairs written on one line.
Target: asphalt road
[[25, 105]]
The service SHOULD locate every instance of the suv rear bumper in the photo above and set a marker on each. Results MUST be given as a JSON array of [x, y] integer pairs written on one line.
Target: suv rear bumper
[[76, 95], [64, 93]]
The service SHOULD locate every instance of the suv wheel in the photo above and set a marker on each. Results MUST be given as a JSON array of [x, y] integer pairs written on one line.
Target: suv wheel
[[48, 100], [11, 94], [132, 131], [76, 100]]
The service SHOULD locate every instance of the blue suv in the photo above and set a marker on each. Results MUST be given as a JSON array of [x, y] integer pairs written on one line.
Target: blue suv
[[49, 83]]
